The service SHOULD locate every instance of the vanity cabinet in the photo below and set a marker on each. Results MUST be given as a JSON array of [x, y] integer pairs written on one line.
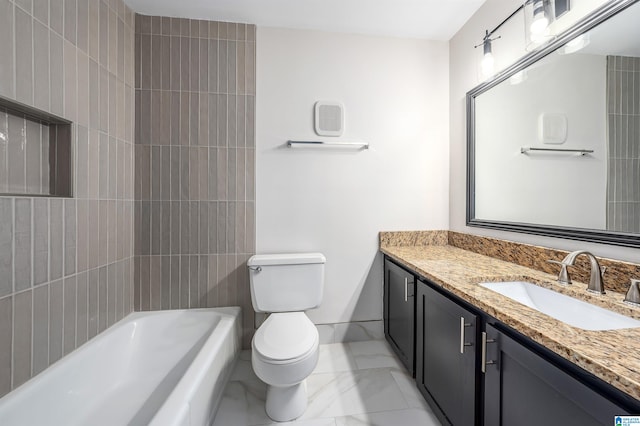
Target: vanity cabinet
[[522, 388], [446, 356], [399, 312], [474, 370]]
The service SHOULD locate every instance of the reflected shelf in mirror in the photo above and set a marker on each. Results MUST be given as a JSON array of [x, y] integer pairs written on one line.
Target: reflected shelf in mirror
[[526, 149]]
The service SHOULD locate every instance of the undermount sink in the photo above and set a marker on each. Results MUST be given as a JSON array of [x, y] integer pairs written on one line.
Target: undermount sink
[[564, 308]]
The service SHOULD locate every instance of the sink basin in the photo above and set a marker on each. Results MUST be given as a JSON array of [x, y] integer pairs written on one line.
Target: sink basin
[[567, 309]]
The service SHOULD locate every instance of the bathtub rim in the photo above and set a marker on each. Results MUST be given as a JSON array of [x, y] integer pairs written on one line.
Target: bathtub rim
[[189, 384]]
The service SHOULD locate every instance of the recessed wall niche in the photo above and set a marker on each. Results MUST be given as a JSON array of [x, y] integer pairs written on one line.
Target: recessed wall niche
[[35, 152]]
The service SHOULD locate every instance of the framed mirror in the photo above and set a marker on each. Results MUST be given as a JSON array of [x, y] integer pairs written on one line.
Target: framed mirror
[[553, 142]]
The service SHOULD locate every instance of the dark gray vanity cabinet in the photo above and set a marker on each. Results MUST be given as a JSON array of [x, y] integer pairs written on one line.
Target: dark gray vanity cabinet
[[522, 388], [446, 356], [474, 370], [399, 312]]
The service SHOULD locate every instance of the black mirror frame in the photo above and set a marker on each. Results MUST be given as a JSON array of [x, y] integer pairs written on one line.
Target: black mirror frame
[[581, 234]]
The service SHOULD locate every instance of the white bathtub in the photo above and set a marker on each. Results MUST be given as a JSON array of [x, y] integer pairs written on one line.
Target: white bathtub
[[159, 368]]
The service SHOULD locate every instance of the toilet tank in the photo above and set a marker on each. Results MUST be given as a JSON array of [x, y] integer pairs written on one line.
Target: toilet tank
[[286, 282]]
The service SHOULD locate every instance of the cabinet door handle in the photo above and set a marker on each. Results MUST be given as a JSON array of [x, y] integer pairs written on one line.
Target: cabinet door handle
[[406, 289], [484, 361], [462, 342]]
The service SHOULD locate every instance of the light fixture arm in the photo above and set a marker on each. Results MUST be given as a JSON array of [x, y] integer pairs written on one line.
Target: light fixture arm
[[487, 38], [486, 42]]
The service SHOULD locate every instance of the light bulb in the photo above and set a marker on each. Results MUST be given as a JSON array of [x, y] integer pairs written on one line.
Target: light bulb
[[487, 64], [539, 25]]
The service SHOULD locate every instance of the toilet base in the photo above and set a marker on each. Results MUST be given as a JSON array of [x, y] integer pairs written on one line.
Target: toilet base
[[286, 403]]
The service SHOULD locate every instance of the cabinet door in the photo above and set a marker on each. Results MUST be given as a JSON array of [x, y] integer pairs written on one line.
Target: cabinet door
[[522, 388], [446, 356], [399, 312]]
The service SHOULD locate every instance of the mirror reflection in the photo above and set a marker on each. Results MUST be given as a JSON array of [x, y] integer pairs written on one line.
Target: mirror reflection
[[558, 143]]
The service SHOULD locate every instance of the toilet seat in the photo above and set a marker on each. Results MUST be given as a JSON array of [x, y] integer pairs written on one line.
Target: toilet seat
[[285, 338]]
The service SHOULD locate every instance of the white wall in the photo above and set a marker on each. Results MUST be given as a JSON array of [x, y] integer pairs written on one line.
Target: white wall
[[464, 63], [541, 187], [395, 94]]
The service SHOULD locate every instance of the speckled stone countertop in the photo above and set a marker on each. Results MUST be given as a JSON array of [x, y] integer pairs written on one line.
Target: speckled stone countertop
[[612, 355]]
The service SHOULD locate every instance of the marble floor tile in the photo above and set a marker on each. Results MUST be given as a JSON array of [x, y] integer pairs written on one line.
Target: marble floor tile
[[373, 354], [408, 417], [352, 392], [326, 333], [335, 357], [242, 405], [312, 422], [410, 392], [242, 370], [356, 383]]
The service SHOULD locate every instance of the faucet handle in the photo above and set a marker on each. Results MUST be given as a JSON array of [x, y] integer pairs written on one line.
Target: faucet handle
[[563, 276], [633, 294]]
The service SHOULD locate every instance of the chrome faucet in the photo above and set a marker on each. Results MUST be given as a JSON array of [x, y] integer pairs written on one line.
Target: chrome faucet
[[595, 282], [633, 294]]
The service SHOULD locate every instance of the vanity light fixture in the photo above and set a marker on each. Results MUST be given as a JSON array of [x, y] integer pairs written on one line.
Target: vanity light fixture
[[487, 58], [540, 24], [488, 61], [539, 16]]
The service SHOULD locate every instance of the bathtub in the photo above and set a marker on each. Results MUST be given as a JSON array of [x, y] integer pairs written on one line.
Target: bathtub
[[159, 368]]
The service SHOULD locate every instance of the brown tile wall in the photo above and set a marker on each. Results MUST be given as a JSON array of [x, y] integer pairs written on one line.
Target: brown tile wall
[[66, 264], [194, 163]]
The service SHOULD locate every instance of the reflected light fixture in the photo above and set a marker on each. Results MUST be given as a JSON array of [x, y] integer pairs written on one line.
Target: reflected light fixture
[[577, 44], [518, 77]]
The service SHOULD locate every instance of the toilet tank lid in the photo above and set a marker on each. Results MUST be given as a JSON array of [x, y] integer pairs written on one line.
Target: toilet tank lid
[[286, 259]]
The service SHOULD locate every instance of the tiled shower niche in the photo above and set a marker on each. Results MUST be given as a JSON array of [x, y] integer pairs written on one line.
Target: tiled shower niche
[[35, 153]]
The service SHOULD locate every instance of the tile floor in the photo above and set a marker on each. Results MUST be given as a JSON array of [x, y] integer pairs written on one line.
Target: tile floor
[[356, 383]]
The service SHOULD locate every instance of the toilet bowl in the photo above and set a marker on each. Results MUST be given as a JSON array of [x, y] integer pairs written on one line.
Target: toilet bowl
[[284, 353], [285, 347]]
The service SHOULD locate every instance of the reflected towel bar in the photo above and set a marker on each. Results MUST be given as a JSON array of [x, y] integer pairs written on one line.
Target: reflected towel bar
[[525, 149], [360, 145]]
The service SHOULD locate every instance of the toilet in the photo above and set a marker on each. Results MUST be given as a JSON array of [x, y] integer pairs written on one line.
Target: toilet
[[284, 349]]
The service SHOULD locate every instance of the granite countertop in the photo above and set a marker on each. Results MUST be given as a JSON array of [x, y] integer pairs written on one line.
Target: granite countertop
[[612, 355]]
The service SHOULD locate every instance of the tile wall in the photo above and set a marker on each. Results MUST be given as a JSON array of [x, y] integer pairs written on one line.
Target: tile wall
[[623, 185], [194, 164], [66, 268]]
